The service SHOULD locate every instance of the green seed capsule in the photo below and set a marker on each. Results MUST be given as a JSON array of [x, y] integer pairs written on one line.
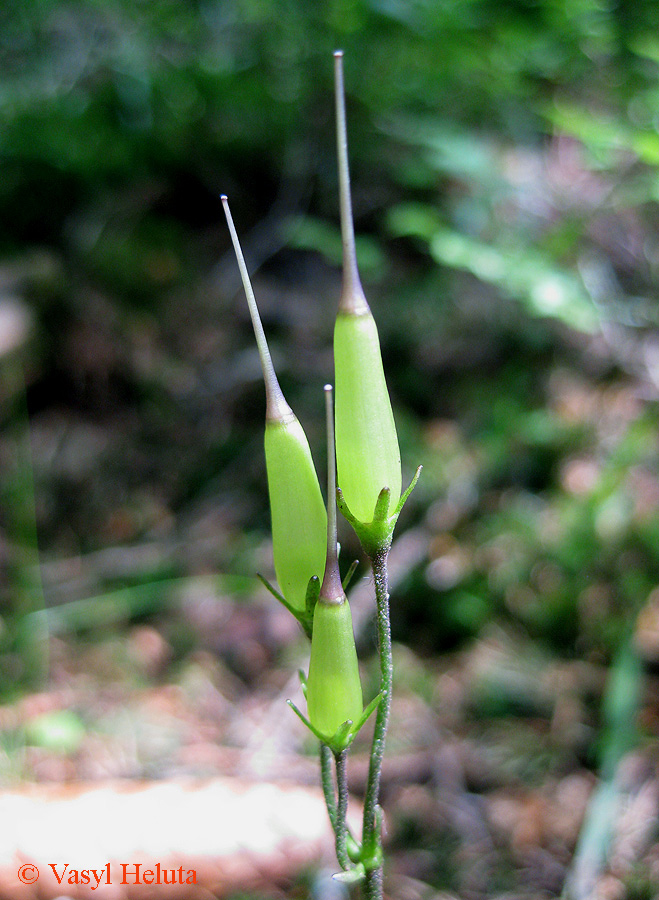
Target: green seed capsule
[[299, 520], [368, 457], [298, 514], [334, 691]]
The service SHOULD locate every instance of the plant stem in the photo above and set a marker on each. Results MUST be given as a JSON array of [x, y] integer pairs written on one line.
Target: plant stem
[[336, 810], [328, 782], [371, 836], [371, 856], [341, 810]]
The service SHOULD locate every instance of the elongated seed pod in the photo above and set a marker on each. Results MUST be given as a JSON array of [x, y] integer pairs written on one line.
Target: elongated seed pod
[[296, 509], [334, 691], [299, 520], [368, 457]]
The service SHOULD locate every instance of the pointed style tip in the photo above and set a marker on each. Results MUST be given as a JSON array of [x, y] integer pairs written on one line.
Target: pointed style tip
[[352, 296], [277, 409]]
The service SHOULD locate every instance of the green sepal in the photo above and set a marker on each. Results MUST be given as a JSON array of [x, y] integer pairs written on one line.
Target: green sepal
[[375, 536], [342, 737], [275, 593], [304, 618], [372, 706], [353, 847], [348, 576], [346, 733], [374, 861], [310, 600], [303, 681], [406, 494], [352, 876], [298, 712]]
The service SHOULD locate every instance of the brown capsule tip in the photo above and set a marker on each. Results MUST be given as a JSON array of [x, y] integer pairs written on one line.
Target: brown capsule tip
[[276, 407], [330, 597], [331, 590], [353, 302]]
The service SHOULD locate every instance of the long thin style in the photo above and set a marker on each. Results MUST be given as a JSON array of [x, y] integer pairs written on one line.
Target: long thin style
[[352, 297], [331, 590], [276, 406], [331, 478]]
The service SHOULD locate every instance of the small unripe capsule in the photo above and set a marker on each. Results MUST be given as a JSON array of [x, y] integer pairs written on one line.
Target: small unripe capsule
[[299, 520], [334, 691], [368, 456]]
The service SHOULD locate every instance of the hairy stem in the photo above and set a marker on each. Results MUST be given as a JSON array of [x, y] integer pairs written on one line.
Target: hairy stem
[[328, 782], [373, 888], [371, 836], [340, 828]]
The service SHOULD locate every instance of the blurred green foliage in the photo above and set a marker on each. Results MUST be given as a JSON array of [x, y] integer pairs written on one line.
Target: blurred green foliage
[[504, 165], [121, 123]]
